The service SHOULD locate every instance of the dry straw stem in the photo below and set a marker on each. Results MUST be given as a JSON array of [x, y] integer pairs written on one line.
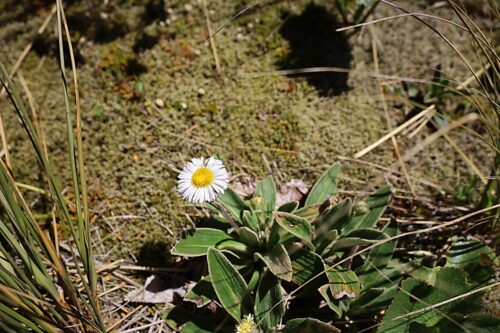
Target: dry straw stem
[[390, 239], [386, 112], [443, 130], [212, 40], [466, 158], [395, 131], [13, 71]]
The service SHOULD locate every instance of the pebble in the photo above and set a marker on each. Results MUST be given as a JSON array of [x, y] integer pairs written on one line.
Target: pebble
[[159, 103], [188, 8], [184, 105], [240, 37], [201, 92]]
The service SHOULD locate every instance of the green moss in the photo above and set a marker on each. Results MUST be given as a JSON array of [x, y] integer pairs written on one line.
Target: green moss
[[133, 146]]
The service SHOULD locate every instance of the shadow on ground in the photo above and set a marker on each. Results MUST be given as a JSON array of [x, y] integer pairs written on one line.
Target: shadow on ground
[[315, 43]]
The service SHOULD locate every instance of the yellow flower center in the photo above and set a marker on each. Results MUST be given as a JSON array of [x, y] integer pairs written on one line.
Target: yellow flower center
[[202, 177], [246, 326]]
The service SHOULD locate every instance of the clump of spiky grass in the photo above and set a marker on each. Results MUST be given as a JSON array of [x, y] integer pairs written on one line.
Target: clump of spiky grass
[[37, 292]]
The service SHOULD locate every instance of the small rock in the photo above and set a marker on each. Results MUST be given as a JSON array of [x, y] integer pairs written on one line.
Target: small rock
[[184, 105], [240, 37], [188, 8], [159, 103], [104, 16], [201, 92]]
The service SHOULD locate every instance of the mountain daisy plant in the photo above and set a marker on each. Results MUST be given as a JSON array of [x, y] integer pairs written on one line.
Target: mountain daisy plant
[[264, 262]]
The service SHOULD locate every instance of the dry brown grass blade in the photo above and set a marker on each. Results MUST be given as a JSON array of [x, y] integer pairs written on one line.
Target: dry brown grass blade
[[386, 113], [466, 158], [394, 132], [212, 40], [28, 47], [5, 144], [444, 130]]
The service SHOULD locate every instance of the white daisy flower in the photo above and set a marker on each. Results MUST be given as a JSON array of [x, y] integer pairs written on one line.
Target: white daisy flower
[[202, 180]]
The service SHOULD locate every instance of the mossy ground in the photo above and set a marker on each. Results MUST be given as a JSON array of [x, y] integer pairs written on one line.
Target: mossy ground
[[131, 53]]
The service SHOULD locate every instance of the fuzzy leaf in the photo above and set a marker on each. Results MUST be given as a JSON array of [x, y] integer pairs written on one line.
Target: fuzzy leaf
[[297, 226], [308, 325], [377, 203], [250, 219], [339, 306], [325, 187], [305, 265], [378, 257], [266, 189], [249, 237], [373, 300], [343, 282], [268, 295], [288, 207], [234, 204], [197, 242], [312, 212], [358, 237], [229, 285], [202, 293], [335, 218], [278, 261]]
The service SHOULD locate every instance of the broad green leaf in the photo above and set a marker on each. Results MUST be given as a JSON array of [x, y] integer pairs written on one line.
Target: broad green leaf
[[288, 207], [202, 293], [254, 280], [196, 243], [177, 317], [278, 261], [234, 247], [250, 220], [378, 257], [450, 282], [343, 282], [192, 327], [308, 325], [327, 242], [335, 218], [359, 237], [482, 324], [339, 306], [305, 265], [234, 204], [266, 189], [311, 213], [249, 237], [269, 308], [325, 187], [228, 284], [474, 257], [373, 300], [377, 203], [297, 226]]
